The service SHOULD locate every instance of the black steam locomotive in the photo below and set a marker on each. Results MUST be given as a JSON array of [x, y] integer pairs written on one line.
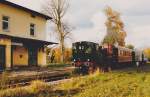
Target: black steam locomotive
[[92, 55]]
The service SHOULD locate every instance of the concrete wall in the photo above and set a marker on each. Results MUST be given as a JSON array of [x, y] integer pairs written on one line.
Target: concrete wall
[[7, 42], [41, 58], [20, 23]]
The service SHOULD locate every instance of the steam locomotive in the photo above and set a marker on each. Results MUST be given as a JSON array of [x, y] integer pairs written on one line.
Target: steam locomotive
[[93, 55]]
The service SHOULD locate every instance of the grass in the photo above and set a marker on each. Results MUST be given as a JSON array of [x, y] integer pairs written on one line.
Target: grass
[[113, 84]]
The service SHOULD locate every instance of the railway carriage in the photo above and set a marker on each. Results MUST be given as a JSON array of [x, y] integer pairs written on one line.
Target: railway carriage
[[118, 56], [140, 57], [124, 55]]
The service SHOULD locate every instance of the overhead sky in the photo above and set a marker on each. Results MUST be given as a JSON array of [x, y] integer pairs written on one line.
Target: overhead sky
[[88, 18]]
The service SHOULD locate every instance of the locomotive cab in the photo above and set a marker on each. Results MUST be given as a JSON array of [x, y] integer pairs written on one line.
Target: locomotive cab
[[85, 54]]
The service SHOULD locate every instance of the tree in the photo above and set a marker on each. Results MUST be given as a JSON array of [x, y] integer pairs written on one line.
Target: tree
[[130, 46], [50, 53], [115, 28], [147, 53], [57, 10], [68, 55], [53, 55]]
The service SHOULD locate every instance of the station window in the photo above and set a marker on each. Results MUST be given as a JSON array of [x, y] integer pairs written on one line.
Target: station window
[[32, 29], [5, 23]]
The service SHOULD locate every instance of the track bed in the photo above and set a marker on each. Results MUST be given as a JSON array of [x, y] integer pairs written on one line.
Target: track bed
[[23, 78]]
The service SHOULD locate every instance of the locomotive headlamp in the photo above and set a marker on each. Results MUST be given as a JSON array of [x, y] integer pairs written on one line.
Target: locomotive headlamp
[[80, 47]]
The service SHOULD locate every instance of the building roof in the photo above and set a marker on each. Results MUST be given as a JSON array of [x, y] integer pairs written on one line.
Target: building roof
[[27, 40], [85, 42], [25, 9]]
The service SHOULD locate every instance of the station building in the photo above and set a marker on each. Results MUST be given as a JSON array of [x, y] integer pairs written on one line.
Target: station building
[[22, 36]]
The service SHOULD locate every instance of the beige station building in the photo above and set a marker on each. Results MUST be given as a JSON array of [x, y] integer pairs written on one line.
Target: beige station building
[[22, 36]]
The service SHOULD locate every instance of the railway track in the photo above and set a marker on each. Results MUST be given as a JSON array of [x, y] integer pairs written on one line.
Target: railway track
[[20, 79], [27, 82]]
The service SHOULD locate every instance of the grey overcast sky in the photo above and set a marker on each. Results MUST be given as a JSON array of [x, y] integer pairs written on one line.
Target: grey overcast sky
[[88, 18]]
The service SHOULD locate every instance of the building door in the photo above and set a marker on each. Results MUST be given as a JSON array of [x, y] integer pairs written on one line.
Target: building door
[[32, 57], [2, 58]]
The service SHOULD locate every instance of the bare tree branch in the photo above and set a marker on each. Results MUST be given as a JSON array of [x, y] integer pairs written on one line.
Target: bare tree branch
[[57, 9]]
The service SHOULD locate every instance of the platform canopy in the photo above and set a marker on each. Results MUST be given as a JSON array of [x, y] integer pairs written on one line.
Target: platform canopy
[[20, 41]]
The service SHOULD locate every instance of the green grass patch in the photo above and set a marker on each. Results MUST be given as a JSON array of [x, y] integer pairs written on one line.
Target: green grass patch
[[114, 84]]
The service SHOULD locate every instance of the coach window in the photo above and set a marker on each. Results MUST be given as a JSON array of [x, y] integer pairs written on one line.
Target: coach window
[[5, 23], [82, 47], [123, 53], [74, 47], [119, 52]]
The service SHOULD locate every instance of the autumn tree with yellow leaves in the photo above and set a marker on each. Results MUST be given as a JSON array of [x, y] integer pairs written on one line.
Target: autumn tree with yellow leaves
[[54, 55], [147, 53], [115, 28]]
